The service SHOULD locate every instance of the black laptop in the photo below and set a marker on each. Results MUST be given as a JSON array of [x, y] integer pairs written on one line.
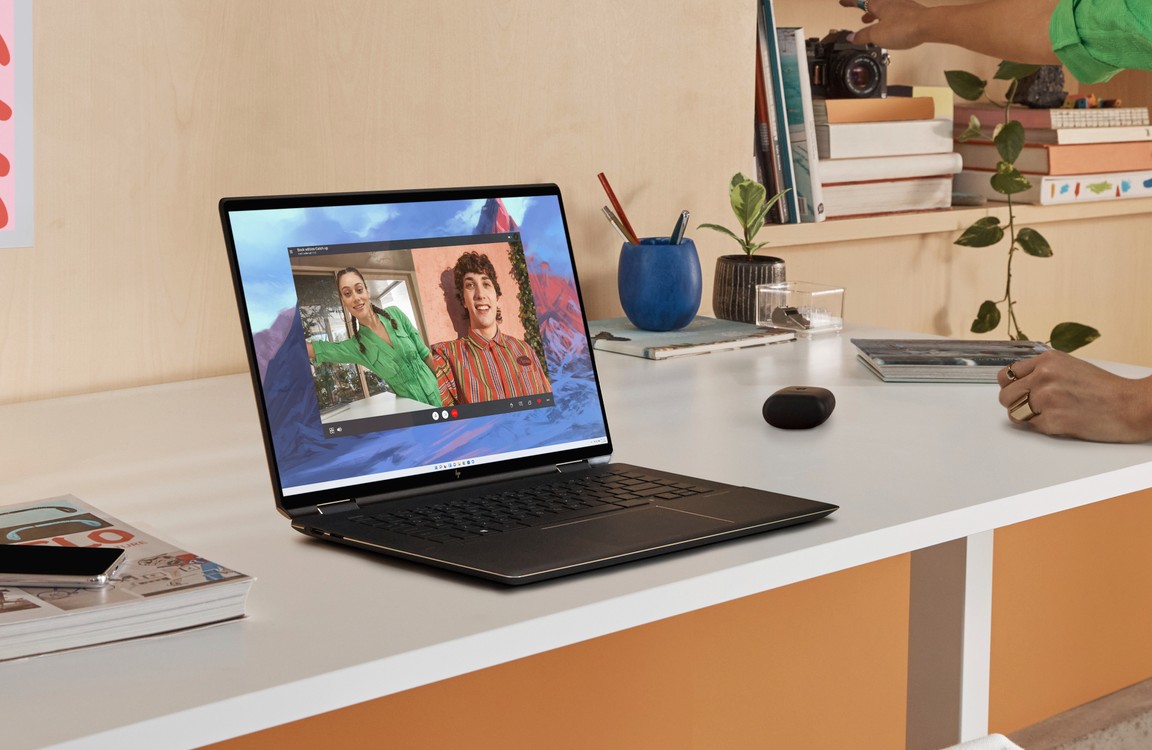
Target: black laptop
[[427, 389]]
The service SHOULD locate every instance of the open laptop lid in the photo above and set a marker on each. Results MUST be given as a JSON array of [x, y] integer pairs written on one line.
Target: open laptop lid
[[335, 431]]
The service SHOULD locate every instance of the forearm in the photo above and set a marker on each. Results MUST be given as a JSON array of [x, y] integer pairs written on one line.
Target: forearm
[[1015, 30], [1135, 411]]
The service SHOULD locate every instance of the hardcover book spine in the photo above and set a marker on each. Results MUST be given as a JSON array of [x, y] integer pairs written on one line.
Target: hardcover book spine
[[1056, 190], [874, 110], [1054, 118], [1076, 159], [801, 124], [766, 138], [868, 139], [775, 83]]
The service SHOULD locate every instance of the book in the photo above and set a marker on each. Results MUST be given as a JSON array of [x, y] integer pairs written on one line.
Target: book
[[1111, 134], [1077, 159], [941, 95], [855, 140], [702, 336], [874, 110], [766, 148], [774, 87], [889, 167], [1055, 190], [767, 138], [801, 125], [161, 588], [887, 196], [1059, 117], [942, 360]]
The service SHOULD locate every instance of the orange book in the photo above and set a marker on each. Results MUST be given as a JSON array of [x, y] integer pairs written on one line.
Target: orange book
[[1077, 158], [874, 110]]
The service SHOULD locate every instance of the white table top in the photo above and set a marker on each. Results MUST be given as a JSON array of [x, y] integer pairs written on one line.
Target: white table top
[[911, 465]]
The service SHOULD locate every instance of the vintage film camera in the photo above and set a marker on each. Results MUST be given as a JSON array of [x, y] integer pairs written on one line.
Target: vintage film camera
[[840, 69]]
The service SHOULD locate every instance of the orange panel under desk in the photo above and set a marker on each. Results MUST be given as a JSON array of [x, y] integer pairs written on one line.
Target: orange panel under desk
[[1071, 609], [821, 663]]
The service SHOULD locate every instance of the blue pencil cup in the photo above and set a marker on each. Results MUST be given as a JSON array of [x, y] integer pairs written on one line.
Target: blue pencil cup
[[659, 283]]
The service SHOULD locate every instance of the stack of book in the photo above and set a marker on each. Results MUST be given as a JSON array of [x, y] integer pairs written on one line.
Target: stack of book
[[888, 155], [162, 588], [1069, 155]]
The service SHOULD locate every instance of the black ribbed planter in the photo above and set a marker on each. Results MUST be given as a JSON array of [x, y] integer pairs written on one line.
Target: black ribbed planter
[[734, 288]]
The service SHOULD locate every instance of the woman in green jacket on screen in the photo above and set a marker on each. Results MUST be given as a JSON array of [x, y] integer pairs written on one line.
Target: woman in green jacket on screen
[[391, 346]]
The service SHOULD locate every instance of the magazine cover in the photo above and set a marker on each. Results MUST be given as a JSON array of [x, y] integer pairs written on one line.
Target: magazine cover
[[157, 581], [926, 360]]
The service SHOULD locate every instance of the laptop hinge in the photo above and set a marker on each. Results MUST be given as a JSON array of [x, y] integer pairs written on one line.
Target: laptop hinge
[[572, 466], [336, 506]]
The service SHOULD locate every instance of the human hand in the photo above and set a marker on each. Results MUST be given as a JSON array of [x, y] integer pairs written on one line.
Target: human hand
[[1073, 398], [896, 24]]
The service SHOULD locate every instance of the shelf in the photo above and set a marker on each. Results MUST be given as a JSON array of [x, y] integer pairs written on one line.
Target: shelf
[[952, 220]]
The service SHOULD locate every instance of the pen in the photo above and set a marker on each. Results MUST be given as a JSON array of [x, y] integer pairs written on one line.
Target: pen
[[628, 230], [681, 227], [616, 224]]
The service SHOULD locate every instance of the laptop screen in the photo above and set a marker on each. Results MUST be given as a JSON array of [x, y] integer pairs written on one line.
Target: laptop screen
[[410, 338]]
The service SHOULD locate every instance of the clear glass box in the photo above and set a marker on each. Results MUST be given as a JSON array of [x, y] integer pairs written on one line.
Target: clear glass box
[[801, 306]]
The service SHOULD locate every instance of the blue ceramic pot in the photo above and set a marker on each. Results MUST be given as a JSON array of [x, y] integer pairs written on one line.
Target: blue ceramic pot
[[659, 283]]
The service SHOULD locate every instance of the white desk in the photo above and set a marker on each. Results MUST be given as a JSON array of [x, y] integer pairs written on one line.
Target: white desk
[[330, 627]]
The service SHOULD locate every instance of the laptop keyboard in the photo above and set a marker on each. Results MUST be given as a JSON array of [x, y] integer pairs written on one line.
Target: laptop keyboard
[[546, 503]]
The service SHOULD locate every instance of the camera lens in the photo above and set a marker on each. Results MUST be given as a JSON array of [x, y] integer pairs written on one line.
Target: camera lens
[[859, 75]]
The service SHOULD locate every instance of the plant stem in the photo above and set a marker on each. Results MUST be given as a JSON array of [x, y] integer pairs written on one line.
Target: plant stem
[[1013, 326]]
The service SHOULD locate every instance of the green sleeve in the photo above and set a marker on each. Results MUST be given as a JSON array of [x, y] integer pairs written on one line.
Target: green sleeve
[[1095, 39], [344, 352]]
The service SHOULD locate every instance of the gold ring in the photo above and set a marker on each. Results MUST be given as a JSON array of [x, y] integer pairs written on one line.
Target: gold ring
[[1011, 374], [1021, 409]]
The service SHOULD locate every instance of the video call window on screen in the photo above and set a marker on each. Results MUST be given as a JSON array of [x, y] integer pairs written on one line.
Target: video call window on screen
[[436, 299]]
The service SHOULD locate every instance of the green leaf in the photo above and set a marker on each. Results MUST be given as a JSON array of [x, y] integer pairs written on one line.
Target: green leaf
[[984, 233], [748, 205], [1068, 337], [987, 318], [1008, 180], [966, 85], [722, 230], [1009, 141], [1033, 243], [1013, 70], [973, 130]]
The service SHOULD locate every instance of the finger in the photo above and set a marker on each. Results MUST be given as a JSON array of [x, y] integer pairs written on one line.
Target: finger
[[1012, 393], [864, 35]]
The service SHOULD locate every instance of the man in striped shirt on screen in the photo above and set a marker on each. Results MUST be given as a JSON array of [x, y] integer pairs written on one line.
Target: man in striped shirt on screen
[[487, 364]]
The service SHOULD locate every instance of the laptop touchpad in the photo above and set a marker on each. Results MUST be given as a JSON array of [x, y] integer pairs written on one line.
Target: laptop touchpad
[[657, 524]]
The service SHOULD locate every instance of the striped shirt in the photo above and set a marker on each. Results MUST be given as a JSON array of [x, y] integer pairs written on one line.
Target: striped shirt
[[486, 370]]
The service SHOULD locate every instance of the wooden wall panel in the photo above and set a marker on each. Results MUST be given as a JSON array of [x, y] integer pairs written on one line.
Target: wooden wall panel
[[147, 113]]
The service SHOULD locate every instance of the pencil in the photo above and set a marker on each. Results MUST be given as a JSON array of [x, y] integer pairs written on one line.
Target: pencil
[[616, 224], [628, 230]]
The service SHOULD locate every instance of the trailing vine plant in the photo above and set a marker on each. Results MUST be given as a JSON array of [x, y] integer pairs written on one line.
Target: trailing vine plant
[[1008, 137]]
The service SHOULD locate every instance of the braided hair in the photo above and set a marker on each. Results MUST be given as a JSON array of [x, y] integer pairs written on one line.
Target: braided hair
[[375, 309]]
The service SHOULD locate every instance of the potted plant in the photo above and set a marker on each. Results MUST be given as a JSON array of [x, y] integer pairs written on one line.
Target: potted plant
[[734, 286], [1008, 180]]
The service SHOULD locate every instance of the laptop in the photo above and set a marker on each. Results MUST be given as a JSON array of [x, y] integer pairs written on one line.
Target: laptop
[[460, 423]]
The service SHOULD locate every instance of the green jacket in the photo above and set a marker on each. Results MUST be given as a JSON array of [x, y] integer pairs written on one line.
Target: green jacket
[[400, 365]]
